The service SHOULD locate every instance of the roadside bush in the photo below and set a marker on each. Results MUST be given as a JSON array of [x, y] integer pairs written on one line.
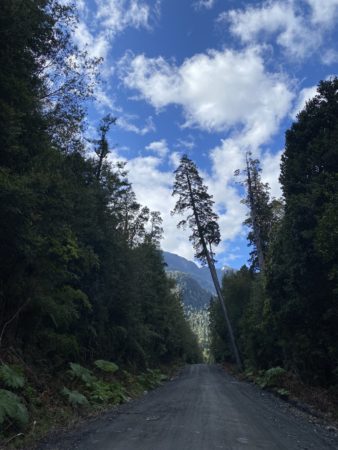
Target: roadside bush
[[75, 398], [106, 366], [271, 378], [81, 373], [151, 378], [12, 408], [11, 376]]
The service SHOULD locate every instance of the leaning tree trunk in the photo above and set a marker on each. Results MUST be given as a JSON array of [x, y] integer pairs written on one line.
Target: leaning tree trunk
[[215, 281], [224, 308]]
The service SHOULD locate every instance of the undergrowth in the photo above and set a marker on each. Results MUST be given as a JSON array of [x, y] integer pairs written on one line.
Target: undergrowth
[[289, 386], [30, 407]]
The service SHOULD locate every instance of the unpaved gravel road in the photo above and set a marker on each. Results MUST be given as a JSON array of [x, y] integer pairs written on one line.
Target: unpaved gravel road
[[202, 409]]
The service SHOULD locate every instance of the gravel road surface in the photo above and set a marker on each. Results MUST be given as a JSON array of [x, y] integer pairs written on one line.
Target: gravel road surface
[[202, 409]]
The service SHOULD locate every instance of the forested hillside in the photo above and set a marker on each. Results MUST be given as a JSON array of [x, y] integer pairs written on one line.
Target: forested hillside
[[284, 309], [175, 263], [82, 277]]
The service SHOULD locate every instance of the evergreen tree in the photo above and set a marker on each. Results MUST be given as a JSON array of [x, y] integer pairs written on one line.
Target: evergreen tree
[[301, 276], [80, 273], [261, 212], [193, 198]]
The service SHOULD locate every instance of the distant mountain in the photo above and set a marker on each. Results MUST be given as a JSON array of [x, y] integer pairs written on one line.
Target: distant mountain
[[200, 274], [195, 283], [193, 295]]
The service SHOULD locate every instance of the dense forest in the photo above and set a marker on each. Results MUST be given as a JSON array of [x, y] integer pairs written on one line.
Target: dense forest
[[88, 315], [284, 307], [82, 276]]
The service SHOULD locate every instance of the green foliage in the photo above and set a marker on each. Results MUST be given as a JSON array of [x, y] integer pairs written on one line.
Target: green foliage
[[11, 376], [151, 378], [75, 398], [287, 316], [81, 271], [283, 392], [106, 366], [197, 204], [11, 407], [81, 373], [104, 392], [271, 377], [261, 214], [99, 391], [301, 278], [237, 290]]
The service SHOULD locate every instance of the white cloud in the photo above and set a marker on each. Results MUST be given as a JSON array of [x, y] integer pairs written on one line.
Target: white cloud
[[116, 15], [299, 26], [153, 188], [174, 159], [226, 158], [270, 164], [304, 95], [96, 30], [125, 122], [216, 90], [204, 4], [278, 17], [242, 97], [159, 147], [324, 12], [188, 144], [329, 57], [97, 46]]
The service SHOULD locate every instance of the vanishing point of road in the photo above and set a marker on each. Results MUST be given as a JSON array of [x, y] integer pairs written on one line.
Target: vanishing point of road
[[201, 409]]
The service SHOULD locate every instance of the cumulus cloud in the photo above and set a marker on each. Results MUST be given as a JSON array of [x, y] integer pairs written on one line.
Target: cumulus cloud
[[329, 57], [297, 31], [153, 188], [159, 147], [95, 33], [217, 90], [174, 159], [270, 163], [323, 12], [226, 158], [98, 27], [305, 95]]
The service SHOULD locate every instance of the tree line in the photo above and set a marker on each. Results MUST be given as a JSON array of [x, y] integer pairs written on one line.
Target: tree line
[[81, 273], [284, 306]]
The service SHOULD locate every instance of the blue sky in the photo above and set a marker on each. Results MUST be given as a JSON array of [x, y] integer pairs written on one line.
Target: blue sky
[[211, 78]]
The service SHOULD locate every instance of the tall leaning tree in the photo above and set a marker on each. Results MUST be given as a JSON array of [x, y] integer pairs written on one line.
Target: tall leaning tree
[[197, 204]]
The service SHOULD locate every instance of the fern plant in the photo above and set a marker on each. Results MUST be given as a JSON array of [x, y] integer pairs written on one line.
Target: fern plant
[[103, 392], [106, 366], [80, 372], [151, 379], [75, 398], [11, 376], [11, 407]]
